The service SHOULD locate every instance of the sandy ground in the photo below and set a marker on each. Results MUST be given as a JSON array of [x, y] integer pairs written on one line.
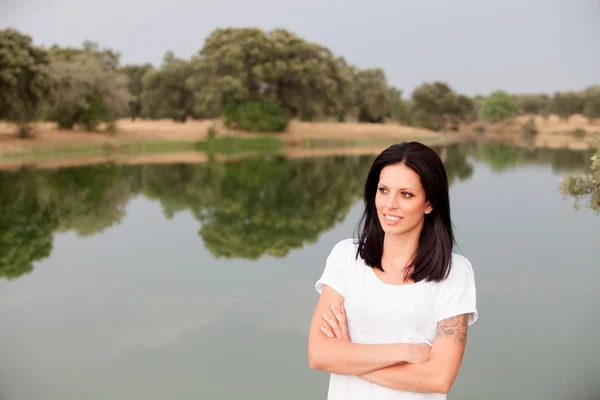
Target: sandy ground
[[47, 136], [553, 133]]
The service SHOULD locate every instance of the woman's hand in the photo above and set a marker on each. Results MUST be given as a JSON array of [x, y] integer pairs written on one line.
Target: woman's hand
[[336, 323]]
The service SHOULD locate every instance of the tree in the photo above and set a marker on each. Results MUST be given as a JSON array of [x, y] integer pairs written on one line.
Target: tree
[[108, 57], [136, 73], [374, 99], [24, 79], [566, 104], [499, 106], [86, 91], [238, 65], [591, 103], [533, 103], [436, 106], [585, 185], [166, 92]]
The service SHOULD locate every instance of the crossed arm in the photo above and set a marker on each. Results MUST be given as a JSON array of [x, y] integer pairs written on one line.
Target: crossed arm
[[400, 366]]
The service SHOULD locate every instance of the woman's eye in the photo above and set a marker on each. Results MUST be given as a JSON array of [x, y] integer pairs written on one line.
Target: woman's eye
[[407, 195], [382, 190]]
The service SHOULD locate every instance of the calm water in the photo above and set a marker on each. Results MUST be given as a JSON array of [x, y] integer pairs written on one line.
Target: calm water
[[197, 281]]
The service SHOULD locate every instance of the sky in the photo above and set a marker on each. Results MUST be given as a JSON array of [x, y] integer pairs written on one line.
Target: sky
[[476, 46]]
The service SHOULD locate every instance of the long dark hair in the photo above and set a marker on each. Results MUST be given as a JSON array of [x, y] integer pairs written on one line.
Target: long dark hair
[[434, 252]]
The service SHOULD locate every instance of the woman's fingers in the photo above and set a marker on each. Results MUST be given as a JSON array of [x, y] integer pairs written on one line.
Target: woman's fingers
[[340, 314], [333, 324], [327, 332]]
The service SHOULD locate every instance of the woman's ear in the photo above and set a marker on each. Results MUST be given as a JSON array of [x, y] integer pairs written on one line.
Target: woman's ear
[[428, 209]]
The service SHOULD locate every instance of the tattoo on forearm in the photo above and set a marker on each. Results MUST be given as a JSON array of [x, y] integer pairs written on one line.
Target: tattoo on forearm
[[454, 326]]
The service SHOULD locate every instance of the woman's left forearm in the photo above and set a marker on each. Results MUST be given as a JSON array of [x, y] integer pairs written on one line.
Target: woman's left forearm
[[424, 377]]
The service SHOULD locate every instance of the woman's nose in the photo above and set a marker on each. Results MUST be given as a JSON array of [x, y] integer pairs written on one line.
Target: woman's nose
[[392, 202]]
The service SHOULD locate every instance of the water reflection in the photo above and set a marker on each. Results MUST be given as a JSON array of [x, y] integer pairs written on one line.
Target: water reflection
[[246, 209], [158, 306]]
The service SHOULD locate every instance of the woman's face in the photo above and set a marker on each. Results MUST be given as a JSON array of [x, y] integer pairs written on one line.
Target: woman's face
[[400, 200]]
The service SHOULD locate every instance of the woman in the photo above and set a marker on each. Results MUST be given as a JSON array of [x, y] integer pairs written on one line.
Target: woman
[[395, 305]]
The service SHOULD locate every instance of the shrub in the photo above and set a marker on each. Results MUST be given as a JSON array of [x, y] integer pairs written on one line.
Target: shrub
[[579, 133], [256, 116], [528, 129], [479, 129]]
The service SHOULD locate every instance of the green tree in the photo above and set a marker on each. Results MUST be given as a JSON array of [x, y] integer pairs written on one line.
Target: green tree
[[566, 104], [591, 103], [238, 65], [533, 103], [108, 57], [85, 91], [136, 73], [587, 185], [374, 99], [167, 92], [436, 106], [24, 79], [499, 106]]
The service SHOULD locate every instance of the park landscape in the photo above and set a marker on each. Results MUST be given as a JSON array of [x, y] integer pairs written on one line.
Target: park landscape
[[133, 198]]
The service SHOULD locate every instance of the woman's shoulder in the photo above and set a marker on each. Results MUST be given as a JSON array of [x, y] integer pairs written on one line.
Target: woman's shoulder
[[344, 248], [461, 270]]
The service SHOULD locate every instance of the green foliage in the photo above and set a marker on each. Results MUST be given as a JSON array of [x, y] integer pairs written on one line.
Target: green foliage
[[211, 133], [85, 91], [232, 145], [566, 104], [166, 92], [26, 224], [479, 129], [136, 74], [582, 186], [24, 78], [533, 103], [578, 133], [256, 116], [250, 64], [436, 106], [529, 129], [591, 103], [401, 112], [374, 97], [499, 106], [246, 208], [107, 57]]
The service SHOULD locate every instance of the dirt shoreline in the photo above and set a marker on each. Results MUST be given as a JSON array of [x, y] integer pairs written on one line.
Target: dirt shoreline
[[302, 139]]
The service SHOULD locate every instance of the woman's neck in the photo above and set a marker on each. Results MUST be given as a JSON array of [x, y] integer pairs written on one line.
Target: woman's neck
[[398, 250]]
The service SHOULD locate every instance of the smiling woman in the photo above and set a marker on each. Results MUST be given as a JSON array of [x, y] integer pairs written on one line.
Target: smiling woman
[[396, 303]]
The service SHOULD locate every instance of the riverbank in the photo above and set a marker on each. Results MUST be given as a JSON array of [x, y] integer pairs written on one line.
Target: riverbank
[[165, 141], [157, 141]]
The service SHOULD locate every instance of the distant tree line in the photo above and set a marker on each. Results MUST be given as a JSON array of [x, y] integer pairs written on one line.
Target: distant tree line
[[254, 80]]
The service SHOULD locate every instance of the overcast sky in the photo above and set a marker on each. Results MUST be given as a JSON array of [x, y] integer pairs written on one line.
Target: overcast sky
[[475, 45]]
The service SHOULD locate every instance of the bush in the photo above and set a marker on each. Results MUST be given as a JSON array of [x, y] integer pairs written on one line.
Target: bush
[[528, 129], [579, 133], [479, 129], [499, 106], [256, 116]]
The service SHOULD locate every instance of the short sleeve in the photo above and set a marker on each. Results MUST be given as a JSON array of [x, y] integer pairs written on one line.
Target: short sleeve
[[458, 292], [336, 271]]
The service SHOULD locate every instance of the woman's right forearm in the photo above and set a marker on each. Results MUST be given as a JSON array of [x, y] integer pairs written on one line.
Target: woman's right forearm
[[347, 358]]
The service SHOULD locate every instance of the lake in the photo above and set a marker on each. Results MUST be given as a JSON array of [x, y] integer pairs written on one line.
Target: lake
[[197, 281]]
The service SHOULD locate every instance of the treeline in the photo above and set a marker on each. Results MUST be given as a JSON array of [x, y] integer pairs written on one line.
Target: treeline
[[254, 80]]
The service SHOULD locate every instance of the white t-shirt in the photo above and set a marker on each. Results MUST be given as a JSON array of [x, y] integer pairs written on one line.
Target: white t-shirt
[[378, 312]]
